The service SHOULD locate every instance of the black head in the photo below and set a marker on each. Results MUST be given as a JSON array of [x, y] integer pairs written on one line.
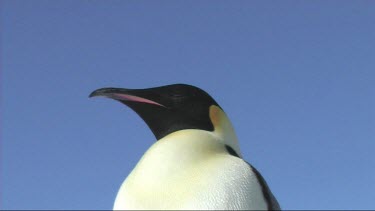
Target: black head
[[166, 109]]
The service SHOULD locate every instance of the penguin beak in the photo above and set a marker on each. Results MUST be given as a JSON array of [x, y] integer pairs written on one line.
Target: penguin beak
[[126, 95]]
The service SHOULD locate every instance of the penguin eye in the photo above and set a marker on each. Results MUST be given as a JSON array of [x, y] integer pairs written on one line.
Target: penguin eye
[[177, 94], [178, 98]]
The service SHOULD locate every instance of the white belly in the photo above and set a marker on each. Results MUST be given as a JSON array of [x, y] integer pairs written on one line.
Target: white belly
[[164, 180]]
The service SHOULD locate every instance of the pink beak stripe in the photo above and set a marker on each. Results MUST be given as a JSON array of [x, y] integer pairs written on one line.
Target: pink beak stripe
[[134, 99]]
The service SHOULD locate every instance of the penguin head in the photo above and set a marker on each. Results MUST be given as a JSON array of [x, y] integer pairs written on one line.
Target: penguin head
[[167, 109]]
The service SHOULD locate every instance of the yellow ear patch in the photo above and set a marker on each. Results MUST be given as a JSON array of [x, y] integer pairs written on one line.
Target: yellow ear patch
[[216, 115], [223, 129]]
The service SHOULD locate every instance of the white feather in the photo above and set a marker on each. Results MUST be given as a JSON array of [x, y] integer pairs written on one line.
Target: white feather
[[190, 169]]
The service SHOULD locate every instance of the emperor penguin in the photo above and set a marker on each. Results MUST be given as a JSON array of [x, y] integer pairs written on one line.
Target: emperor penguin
[[196, 162]]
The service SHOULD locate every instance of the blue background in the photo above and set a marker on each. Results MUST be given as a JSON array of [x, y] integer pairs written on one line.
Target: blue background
[[295, 77]]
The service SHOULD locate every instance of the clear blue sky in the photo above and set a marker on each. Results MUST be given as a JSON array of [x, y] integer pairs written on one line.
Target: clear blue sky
[[295, 77]]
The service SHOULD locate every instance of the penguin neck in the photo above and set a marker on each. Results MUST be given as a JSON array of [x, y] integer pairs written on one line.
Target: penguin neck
[[187, 146], [184, 148], [172, 155]]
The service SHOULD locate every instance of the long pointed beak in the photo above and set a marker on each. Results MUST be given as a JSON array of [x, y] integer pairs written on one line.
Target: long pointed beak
[[123, 95]]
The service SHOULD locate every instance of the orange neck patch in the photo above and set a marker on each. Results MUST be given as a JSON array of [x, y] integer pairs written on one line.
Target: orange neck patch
[[216, 115]]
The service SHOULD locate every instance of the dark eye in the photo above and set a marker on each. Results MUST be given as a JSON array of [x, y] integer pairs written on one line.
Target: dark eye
[[177, 97], [177, 93]]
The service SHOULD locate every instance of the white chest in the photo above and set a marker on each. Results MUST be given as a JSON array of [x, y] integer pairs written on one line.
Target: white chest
[[199, 177]]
